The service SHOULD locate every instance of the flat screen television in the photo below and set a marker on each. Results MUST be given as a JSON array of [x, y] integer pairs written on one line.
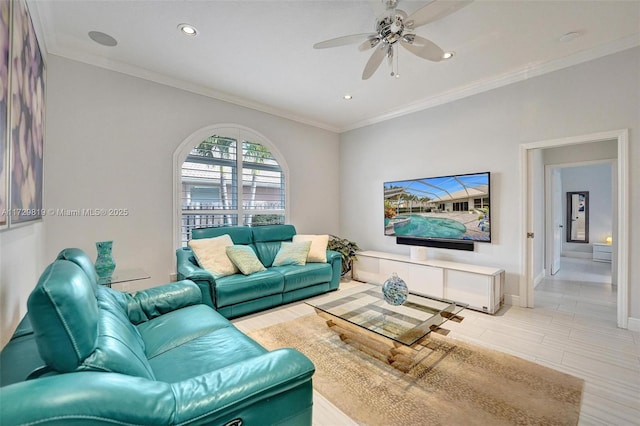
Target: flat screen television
[[450, 208]]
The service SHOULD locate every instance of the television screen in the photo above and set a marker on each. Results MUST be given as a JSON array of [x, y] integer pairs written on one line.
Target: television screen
[[452, 207]]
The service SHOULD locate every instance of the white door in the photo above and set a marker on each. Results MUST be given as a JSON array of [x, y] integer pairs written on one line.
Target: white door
[[556, 221]]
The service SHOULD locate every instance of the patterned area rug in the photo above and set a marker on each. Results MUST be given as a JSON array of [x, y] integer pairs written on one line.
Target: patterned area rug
[[456, 384]]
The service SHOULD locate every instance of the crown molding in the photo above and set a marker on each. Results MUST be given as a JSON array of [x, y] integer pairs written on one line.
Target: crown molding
[[165, 80], [522, 74]]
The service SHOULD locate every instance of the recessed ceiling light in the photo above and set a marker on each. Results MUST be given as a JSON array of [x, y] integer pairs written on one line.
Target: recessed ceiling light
[[448, 55], [187, 29], [102, 38], [348, 97]]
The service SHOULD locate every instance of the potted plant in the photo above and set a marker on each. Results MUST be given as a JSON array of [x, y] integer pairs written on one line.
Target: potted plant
[[347, 249]]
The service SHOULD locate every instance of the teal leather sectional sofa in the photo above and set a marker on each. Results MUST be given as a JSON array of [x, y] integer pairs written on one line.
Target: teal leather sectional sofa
[[160, 357], [239, 294]]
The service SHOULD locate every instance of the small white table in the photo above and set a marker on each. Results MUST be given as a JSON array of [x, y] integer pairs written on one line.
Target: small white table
[[601, 252]]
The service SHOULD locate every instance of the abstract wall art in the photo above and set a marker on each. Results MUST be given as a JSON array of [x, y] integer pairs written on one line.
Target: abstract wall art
[[26, 119]]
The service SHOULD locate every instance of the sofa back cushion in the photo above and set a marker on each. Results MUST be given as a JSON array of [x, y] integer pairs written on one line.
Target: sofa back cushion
[[79, 326], [267, 240], [81, 259], [119, 346], [238, 234], [64, 314]]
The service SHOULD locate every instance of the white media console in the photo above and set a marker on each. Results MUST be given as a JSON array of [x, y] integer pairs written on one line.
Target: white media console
[[481, 287]]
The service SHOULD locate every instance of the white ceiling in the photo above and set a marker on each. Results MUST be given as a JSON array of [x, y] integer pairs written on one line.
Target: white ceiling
[[259, 53]]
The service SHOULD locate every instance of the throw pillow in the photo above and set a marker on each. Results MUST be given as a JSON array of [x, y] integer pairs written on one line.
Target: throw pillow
[[318, 250], [292, 253], [211, 254], [245, 259]]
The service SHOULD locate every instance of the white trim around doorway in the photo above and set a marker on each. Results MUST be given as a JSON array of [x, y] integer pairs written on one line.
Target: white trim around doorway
[[622, 200]]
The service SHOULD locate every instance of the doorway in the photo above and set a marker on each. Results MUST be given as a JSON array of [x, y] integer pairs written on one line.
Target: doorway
[[569, 229], [530, 220]]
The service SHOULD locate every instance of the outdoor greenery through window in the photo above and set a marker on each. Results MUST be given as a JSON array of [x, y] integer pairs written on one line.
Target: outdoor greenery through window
[[230, 182]]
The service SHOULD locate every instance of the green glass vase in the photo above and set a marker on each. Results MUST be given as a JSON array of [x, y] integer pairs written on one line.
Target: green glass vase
[[105, 265]]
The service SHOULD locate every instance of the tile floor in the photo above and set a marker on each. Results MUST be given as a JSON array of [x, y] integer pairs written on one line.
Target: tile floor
[[571, 329]]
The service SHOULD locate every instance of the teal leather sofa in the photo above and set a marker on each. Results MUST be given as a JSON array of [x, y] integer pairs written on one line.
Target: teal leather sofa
[[160, 357], [238, 294]]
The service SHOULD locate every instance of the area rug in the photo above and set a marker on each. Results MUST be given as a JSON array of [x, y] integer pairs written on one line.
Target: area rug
[[456, 384]]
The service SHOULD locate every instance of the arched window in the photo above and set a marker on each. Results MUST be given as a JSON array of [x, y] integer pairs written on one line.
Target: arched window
[[228, 176]]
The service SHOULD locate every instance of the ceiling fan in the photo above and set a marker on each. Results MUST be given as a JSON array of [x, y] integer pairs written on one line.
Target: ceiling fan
[[396, 28]]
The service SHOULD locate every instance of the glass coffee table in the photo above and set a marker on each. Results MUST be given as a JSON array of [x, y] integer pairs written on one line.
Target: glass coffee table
[[395, 334]]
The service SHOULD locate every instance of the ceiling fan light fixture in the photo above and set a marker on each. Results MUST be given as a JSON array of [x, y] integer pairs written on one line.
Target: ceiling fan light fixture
[[448, 55], [188, 29]]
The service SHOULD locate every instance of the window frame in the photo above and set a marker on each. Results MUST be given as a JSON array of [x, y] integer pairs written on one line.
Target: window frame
[[239, 133]]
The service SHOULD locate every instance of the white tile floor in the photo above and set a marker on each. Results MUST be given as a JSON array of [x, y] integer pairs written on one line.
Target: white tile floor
[[571, 329]]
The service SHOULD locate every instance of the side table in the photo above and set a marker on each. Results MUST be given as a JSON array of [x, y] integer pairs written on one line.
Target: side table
[[123, 276]]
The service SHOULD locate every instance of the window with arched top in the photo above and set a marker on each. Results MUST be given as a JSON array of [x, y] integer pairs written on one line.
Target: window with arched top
[[228, 176]]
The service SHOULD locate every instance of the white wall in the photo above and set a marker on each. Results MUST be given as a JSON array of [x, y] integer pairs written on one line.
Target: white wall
[[484, 132], [110, 144], [21, 261]]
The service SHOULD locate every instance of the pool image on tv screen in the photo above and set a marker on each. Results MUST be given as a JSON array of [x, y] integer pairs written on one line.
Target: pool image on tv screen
[[452, 207]]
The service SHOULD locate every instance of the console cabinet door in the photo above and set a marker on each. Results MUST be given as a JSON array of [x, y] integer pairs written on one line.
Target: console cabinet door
[[367, 270], [470, 288], [421, 279]]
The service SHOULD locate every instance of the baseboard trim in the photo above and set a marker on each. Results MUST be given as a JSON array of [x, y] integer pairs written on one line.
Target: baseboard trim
[[633, 324], [537, 280]]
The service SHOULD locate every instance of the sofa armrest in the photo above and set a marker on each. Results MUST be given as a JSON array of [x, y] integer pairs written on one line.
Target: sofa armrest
[[188, 269], [157, 301], [87, 398], [249, 390], [335, 259]]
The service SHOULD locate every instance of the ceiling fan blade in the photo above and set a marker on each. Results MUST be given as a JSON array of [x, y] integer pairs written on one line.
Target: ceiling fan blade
[[369, 43], [423, 48], [374, 62], [434, 11], [342, 41]]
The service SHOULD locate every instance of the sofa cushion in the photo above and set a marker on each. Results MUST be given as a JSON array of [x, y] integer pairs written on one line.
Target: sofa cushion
[[81, 259], [273, 233], [79, 326], [118, 348], [240, 288], [207, 353], [267, 239], [292, 253], [211, 254], [296, 277], [267, 251], [239, 234], [175, 328], [318, 250], [245, 259], [64, 314]]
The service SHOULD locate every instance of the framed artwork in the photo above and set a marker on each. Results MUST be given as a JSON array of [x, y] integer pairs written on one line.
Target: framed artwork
[[5, 39], [26, 119]]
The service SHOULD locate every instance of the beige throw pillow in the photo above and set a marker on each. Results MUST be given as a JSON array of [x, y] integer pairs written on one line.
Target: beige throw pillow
[[211, 254], [318, 250]]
